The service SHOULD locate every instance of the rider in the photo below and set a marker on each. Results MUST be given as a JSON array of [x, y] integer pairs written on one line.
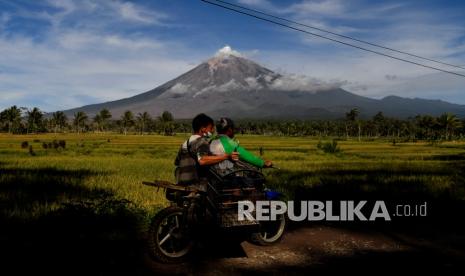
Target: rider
[[194, 154], [225, 144]]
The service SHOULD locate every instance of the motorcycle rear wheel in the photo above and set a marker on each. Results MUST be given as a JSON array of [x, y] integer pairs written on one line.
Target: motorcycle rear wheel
[[168, 239]]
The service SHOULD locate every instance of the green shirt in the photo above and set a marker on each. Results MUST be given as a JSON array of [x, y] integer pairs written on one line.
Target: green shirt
[[231, 145]]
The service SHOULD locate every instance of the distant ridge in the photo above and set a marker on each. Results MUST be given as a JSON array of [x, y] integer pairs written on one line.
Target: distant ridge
[[231, 85]]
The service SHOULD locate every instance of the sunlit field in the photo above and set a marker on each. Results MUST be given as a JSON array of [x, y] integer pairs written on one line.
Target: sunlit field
[[83, 199], [42, 180]]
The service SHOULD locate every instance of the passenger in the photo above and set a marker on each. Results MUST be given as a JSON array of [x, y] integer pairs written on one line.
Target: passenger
[[194, 155], [225, 144]]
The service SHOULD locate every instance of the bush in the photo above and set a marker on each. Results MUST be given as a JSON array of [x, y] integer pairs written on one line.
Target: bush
[[24, 144], [329, 147], [55, 144]]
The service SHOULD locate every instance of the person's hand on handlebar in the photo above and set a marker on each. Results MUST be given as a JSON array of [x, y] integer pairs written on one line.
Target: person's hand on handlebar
[[234, 156]]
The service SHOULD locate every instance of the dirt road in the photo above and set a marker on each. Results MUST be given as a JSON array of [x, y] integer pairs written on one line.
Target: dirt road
[[327, 248]]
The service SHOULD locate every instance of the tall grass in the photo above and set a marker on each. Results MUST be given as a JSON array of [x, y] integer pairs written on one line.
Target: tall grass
[[119, 163]]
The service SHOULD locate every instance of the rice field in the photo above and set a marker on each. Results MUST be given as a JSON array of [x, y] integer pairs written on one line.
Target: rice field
[[91, 167]]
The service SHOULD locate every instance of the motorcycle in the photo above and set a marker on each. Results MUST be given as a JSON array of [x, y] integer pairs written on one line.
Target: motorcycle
[[195, 213]]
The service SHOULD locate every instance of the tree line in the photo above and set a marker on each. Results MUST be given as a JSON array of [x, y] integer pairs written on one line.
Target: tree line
[[24, 121], [422, 127]]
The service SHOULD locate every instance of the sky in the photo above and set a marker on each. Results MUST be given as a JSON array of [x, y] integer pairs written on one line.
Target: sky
[[60, 54]]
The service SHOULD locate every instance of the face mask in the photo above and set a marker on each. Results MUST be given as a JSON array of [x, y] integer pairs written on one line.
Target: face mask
[[207, 134]]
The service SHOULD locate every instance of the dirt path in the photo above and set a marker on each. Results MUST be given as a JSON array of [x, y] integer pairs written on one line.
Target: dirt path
[[324, 248]]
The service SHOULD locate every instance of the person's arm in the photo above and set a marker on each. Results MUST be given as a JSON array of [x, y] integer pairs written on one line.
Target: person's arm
[[205, 158], [231, 146], [249, 157], [214, 159]]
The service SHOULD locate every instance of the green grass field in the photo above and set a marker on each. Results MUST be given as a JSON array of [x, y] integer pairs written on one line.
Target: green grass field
[[93, 166], [84, 206]]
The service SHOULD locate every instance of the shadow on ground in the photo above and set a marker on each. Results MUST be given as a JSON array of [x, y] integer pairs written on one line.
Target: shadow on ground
[[91, 232], [52, 224], [436, 240]]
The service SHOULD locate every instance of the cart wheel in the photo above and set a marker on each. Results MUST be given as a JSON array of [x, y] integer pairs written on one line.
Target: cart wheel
[[169, 240], [270, 232]]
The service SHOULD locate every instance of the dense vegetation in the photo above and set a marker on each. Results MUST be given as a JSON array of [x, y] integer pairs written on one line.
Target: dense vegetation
[[422, 127]]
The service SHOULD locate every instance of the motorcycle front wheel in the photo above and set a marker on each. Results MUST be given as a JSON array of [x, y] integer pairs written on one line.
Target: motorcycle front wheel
[[270, 232]]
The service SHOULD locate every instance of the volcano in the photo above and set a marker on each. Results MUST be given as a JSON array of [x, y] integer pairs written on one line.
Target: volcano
[[229, 84]]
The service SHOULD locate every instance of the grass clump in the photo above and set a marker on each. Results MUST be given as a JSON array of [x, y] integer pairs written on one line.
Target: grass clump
[[329, 147]]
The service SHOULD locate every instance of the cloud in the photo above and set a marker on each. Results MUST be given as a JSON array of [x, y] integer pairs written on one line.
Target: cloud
[[58, 74], [433, 86], [76, 64], [435, 35], [322, 7], [226, 51], [93, 14], [253, 83], [303, 83], [84, 40], [179, 88], [264, 4], [4, 18], [391, 77], [81, 52], [67, 6], [130, 11]]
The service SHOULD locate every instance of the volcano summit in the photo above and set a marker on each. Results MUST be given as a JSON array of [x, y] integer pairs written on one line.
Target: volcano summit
[[228, 84]]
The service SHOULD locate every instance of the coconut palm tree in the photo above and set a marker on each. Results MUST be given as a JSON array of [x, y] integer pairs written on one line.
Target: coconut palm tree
[[34, 119], [12, 117], [98, 121], [379, 123], [59, 120], [105, 116], [101, 119], [166, 119], [143, 119], [449, 123], [351, 117], [127, 121], [426, 125], [79, 121]]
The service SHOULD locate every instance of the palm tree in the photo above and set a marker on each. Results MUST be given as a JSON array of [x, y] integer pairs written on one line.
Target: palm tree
[[59, 120], [105, 115], [449, 122], [378, 121], [34, 119], [425, 126], [11, 116], [166, 120], [101, 119], [142, 120], [98, 121], [80, 119], [127, 120], [2, 119], [351, 117]]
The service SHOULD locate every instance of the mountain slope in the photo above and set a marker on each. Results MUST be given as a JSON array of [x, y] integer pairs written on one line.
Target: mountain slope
[[230, 85]]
